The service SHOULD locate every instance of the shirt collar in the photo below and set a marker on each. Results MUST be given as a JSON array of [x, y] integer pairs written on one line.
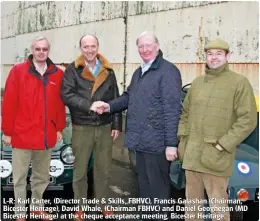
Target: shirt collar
[[40, 70], [143, 64], [90, 66]]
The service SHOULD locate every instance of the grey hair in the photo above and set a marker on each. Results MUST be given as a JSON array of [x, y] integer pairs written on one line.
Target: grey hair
[[40, 38], [150, 34]]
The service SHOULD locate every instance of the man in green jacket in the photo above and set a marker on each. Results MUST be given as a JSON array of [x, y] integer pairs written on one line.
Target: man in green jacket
[[219, 112]]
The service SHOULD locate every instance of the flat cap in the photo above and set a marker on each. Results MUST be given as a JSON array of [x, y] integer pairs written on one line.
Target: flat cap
[[217, 44]]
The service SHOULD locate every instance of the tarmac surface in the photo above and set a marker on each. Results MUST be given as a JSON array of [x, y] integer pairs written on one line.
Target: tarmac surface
[[123, 185]]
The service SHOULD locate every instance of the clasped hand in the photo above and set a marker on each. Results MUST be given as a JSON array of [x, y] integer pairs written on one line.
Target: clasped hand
[[100, 107]]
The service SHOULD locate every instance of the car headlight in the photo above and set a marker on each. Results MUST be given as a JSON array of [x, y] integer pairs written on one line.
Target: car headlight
[[67, 155]]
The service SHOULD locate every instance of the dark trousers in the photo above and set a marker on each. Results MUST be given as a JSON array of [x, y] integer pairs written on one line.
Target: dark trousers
[[153, 176]]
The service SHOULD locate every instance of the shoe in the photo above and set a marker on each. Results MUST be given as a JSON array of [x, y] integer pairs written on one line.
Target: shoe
[[42, 215], [79, 215]]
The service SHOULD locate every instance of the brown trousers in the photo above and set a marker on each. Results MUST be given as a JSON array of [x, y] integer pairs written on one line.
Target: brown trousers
[[86, 139], [216, 188]]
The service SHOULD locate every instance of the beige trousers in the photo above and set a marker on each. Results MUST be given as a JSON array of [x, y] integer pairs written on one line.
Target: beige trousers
[[21, 159], [216, 188]]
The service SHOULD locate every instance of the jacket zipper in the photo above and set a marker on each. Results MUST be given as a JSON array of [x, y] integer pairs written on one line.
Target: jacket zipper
[[45, 112]]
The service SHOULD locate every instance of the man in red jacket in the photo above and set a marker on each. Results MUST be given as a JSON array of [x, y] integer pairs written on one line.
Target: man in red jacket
[[33, 117]]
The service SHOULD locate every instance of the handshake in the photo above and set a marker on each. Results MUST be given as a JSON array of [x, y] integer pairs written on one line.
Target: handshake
[[100, 107]]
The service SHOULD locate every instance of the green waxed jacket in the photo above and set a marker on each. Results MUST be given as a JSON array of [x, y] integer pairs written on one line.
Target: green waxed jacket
[[219, 108]]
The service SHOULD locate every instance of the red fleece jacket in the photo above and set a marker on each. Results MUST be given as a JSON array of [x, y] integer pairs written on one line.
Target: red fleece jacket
[[32, 109]]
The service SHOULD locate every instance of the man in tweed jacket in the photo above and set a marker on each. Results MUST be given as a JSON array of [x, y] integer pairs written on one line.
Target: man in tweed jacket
[[219, 112]]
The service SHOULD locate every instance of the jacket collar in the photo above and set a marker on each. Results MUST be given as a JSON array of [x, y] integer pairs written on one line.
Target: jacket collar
[[51, 68], [211, 74], [156, 63], [86, 73], [217, 71], [80, 61]]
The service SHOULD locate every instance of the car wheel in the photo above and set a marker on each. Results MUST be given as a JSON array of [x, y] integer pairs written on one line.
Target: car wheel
[[236, 215]]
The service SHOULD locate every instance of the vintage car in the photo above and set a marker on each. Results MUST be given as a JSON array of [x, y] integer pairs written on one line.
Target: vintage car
[[244, 183], [61, 168]]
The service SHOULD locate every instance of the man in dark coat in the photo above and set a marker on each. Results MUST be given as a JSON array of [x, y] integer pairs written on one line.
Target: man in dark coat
[[153, 101], [90, 78]]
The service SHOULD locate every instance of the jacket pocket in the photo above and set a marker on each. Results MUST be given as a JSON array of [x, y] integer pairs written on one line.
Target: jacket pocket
[[212, 158], [182, 147]]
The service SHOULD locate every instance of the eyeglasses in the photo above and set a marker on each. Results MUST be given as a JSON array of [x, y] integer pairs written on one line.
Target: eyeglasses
[[41, 49]]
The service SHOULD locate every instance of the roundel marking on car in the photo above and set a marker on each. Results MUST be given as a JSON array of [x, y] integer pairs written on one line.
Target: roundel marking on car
[[5, 168], [244, 169], [56, 168]]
